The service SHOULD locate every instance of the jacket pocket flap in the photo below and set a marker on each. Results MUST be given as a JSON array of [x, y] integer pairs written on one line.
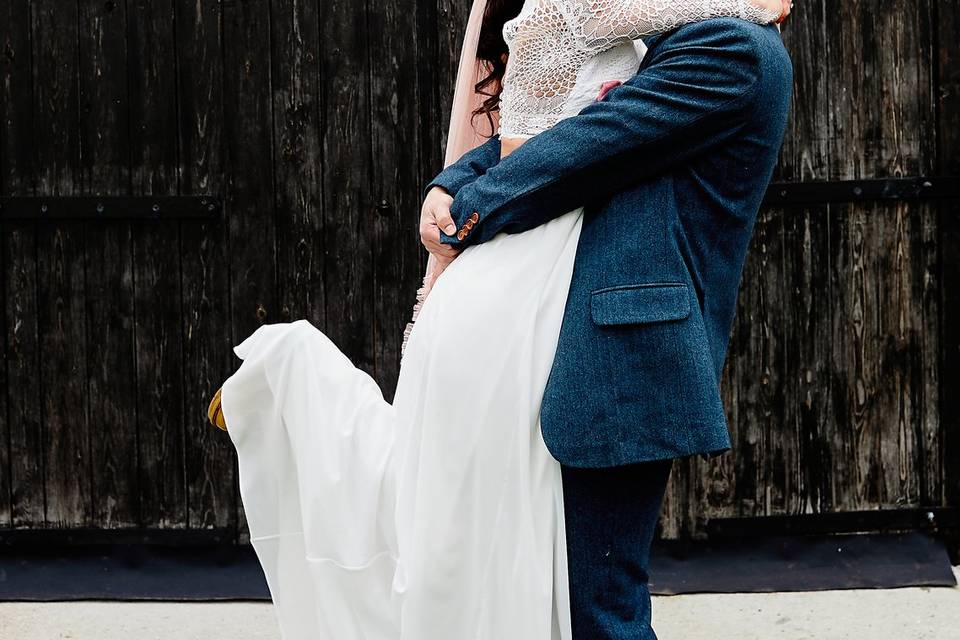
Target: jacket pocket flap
[[641, 303]]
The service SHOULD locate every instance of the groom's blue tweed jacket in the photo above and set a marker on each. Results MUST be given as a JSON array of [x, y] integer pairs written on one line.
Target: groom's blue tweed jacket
[[671, 169]]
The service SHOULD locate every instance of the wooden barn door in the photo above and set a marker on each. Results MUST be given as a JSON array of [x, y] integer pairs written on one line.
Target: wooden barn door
[[312, 126], [838, 378]]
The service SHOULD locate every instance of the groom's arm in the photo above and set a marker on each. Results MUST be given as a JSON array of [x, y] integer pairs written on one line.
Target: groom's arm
[[698, 90], [468, 168]]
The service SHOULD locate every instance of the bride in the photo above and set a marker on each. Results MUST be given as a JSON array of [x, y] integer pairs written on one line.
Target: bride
[[440, 516]]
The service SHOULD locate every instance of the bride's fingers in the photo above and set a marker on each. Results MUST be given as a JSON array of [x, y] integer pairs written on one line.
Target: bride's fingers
[[432, 281], [785, 7], [442, 264]]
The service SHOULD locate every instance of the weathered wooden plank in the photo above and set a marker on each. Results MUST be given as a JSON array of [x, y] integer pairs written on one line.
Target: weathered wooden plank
[[881, 126], [16, 106], [156, 268], [806, 420], [808, 417], [947, 19], [111, 374], [63, 372], [882, 263], [431, 133], [105, 169], [26, 461], [917, 328], [675, 512], [395, 140], [206, 336], [760, 431], [60, 268], [810, 454], [451, 22], [298, 161], [250, 206], [347, 206], [926, 287], [806, 147], [6, 497], [6, 475], [21, 453]]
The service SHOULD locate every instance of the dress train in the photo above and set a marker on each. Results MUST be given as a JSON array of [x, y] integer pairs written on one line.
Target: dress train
[[437, 517]]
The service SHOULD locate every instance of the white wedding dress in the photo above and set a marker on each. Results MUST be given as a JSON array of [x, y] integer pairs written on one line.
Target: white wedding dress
[[439, 517]]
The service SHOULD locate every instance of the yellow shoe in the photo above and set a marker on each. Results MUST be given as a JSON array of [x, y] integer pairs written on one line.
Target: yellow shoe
[[215, 412]]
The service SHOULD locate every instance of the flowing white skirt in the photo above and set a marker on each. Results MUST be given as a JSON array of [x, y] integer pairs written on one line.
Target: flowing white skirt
[[439, 517]]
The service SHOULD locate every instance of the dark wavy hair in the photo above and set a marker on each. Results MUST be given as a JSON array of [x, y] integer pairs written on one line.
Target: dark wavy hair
[[492, 50]]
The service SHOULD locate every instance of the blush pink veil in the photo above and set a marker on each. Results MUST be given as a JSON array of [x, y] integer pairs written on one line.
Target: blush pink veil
[[465, 133]]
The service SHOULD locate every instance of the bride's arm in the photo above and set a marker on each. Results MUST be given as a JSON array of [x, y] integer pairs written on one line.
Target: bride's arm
[[601, 24], [699, 89]]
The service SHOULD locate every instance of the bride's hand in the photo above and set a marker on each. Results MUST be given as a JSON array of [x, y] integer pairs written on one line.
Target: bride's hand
[[438, 268], [786, 6], [779, 7]]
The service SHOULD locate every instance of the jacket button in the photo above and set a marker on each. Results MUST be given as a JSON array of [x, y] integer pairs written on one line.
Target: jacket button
[[475, 217], [461, 235]]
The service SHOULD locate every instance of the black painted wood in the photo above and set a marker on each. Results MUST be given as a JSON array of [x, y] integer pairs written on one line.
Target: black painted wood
[[947, 22], [113, 208], [262, 161], [849, 191]]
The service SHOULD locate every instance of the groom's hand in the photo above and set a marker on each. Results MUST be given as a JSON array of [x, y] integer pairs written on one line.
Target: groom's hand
[[434, 216]]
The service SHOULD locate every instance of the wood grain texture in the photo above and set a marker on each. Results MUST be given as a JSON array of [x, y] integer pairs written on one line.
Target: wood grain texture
[[832, 379], [298, 161], [16, 99], [318, 122], [108, 265], [6, 477], [347, 179], [881, 125], [23, 442], [206, 318], [21, 459], [156, 267], [947, 23], [250, 202], [61, 281], [395, 142]]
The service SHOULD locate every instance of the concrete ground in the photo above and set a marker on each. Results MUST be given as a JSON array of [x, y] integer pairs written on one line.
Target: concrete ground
[[900, 614]]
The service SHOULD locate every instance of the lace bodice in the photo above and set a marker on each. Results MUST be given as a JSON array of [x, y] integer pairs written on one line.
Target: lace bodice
[[562, 51]]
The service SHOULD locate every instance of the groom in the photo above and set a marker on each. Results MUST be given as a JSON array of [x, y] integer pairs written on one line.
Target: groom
[[671, 168]]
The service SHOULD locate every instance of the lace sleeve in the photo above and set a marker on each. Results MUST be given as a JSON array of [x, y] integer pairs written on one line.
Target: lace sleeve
[[602, 24]]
